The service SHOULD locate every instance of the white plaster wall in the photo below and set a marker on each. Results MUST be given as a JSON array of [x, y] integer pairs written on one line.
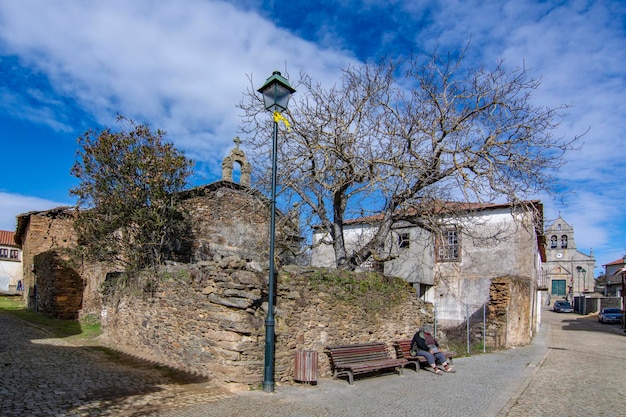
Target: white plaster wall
[[415, 263], [493, 244], [323, 254], [12, 270]]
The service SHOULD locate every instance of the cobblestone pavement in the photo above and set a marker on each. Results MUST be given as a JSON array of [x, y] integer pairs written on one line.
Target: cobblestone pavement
[[562, 373], [44, 376], [582, 374]]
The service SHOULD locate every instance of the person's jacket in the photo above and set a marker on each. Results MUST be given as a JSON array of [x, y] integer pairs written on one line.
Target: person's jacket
[[419, 341]]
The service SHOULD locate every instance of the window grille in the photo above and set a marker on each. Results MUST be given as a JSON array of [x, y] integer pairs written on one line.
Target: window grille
[[449, 246]]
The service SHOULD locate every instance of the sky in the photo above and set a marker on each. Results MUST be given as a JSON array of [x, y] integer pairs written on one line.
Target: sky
[[182, 66]]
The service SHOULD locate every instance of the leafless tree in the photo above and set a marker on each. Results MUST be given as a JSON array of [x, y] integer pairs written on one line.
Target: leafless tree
[[393, 138]]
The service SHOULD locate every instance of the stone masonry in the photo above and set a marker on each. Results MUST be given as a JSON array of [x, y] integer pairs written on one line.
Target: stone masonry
[[208, 319], [59, 286], [38, 232], [509, 314], [226, 219]]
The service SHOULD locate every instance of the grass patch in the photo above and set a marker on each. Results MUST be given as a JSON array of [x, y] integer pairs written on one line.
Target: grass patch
[[86, 328], [372, 292], [456, 339]]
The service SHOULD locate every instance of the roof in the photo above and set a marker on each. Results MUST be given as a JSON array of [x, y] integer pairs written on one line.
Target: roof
[[7, 238], [446, 207], [620, 261], [559, 220], [214, 186]]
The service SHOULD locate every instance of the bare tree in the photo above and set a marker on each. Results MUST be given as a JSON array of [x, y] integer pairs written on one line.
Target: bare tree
[[393, 138]]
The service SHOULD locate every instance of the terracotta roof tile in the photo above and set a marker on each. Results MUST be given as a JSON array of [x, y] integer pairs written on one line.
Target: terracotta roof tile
[[620, 261], [7, 238]]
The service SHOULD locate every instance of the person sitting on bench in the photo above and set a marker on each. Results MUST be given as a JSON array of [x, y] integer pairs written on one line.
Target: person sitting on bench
[[424, 344]]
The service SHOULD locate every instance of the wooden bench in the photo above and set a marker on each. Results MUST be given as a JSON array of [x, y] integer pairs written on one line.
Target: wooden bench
[[403, 350], [361, 358]]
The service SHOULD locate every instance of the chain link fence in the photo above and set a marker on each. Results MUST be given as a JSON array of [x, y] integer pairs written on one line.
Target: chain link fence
[[480, 331]]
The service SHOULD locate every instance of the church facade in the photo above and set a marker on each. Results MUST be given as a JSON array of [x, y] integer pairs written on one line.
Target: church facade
[[568, 272]]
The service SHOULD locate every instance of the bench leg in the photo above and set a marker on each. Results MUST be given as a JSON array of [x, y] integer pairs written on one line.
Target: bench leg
[[416, 364], [347, 372]]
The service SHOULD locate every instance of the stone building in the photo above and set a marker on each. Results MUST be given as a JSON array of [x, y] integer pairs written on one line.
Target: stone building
[[39, 232], [568, 272], [227, 218], [224, 218]]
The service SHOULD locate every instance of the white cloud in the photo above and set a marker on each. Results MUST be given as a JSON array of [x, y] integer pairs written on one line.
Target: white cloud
[[180, 66], [12, 205]]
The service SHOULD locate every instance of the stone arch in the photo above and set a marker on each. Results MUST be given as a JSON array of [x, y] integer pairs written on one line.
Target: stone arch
[[236, 156]]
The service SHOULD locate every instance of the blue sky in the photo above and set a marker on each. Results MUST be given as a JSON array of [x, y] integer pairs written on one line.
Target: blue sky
[[182, 66]]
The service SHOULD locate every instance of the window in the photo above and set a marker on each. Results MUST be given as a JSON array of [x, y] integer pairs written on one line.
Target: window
[[563, 241], [4, 253], [553, 240], [14, 254], [404, 240], [448, 246]]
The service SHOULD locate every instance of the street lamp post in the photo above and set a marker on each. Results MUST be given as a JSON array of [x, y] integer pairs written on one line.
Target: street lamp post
[[624, 299], [584, 272], [579, 271], [276, 93]]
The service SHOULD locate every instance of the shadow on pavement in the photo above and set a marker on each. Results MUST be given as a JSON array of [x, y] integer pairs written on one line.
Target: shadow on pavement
[[575, 322], [40, 375]]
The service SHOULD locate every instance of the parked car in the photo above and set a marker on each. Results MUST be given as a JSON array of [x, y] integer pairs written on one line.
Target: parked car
[[562, 307], [610, 315]]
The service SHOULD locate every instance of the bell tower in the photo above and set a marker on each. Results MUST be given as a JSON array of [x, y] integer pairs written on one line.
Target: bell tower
[[236, 156]]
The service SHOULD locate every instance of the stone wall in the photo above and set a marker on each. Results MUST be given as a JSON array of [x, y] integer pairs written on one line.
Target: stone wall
[[510, 312], [38, 232], [59, 286], [209, 318]]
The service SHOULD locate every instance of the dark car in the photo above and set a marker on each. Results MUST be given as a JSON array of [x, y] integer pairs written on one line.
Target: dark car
[[610, 315], [563, 307]]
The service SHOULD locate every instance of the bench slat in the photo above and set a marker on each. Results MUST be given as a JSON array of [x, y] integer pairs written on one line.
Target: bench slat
[[362, 357]]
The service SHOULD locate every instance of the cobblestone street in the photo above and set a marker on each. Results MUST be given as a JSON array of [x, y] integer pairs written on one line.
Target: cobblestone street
[[44, 376], [574, 367], [582, 373]]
